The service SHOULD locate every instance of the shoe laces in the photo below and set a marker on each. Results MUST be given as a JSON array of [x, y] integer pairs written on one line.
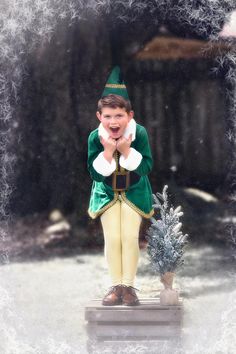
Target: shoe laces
[[129, 286], [113, 288]]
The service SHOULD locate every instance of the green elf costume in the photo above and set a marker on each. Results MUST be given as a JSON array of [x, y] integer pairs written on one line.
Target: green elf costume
[[139, 194], [121, 195]]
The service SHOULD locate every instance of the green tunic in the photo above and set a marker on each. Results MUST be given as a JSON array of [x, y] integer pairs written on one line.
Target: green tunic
[[138, 195]]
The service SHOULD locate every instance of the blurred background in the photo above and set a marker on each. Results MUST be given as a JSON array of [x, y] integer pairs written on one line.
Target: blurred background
[[179, 91]]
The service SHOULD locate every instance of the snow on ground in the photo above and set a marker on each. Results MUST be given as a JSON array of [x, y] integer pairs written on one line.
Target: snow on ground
[[42, 303]]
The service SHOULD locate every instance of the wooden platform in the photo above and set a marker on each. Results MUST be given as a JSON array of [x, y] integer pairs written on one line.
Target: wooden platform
[[145, 322]]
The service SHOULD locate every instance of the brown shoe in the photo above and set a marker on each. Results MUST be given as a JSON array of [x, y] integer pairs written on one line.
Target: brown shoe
[[129, 296], [113, 296]]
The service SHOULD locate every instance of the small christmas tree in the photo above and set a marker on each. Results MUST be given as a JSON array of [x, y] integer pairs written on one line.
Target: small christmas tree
[[166, 244]]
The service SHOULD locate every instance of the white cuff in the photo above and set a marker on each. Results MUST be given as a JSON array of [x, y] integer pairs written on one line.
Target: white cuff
[[132, 161], [102, 166]]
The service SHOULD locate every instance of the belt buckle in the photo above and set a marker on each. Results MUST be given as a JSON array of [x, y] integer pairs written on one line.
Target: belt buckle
[[120, 181]]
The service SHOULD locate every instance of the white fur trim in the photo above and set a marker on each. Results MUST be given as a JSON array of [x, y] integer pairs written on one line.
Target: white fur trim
[[130, 129], [102, 166], [132, 161], [102, 132]]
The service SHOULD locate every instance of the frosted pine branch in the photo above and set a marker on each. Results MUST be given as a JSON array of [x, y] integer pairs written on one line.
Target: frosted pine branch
[[165, 239]]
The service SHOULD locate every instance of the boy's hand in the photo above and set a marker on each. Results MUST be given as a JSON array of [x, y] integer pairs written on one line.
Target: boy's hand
[[109, 147], [123, 145]]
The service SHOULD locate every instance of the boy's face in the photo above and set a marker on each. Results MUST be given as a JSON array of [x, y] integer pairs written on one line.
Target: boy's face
[[115, 120]]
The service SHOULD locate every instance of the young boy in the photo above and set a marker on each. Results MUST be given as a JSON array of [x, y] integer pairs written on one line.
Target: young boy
[[119, 159]]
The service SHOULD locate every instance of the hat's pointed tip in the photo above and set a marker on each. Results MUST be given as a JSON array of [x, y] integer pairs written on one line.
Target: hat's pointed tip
[[115, 84]]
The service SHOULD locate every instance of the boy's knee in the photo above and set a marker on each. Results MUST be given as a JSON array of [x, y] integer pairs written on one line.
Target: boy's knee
[[130, 240], [113, 242]]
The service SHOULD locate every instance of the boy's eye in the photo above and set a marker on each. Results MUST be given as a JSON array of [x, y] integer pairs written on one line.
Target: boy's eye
[[117, 116]]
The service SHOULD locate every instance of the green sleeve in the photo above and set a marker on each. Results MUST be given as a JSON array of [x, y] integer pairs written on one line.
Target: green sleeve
[[143, 146], [94, 149]]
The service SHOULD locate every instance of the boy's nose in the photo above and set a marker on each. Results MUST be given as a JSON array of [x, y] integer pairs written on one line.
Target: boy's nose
[[113, 120]]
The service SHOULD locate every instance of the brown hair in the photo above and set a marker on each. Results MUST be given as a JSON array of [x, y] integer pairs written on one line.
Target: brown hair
[[114, 101]]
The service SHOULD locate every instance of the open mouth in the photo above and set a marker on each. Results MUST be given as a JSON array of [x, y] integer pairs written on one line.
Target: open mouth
[[115, 130]]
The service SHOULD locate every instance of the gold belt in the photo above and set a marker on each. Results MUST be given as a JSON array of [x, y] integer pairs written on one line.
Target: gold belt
[[120, 181]]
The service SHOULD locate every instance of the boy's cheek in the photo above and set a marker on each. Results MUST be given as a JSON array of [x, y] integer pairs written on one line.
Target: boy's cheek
[[107, 129]]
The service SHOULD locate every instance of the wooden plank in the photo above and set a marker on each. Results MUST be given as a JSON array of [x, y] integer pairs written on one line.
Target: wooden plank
[[132, 330], [145, 303], [129, 345], [149, 299], [139, 315], [150, 320]]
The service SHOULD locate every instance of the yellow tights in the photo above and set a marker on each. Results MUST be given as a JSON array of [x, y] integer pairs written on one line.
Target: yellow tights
[[121, 226]]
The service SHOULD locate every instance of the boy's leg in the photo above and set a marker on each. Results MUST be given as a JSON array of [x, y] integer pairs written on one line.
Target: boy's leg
[[110, 220], [130, 225]]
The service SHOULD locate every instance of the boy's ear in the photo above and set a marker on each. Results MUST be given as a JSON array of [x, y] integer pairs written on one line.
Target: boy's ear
[[131, 115], [98, 115]]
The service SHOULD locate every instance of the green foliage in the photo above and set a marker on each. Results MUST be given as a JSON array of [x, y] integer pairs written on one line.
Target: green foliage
[[165, 239]]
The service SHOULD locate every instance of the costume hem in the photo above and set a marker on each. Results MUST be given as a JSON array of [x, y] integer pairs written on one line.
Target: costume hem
[[133, 206], [94, 215]]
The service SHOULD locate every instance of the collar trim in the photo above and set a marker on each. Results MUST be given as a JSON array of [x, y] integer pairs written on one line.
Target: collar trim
[[130, 129]]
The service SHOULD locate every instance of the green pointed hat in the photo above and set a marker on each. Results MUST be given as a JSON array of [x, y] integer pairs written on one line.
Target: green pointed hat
[[115, 84]]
